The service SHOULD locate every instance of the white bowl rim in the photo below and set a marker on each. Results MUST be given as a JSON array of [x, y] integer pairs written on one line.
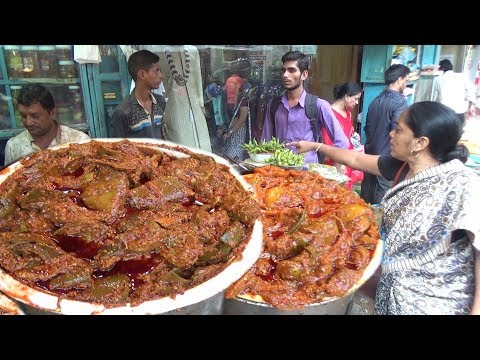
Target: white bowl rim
[[47, 301], [260, 157], [9, 305], [368, 272]]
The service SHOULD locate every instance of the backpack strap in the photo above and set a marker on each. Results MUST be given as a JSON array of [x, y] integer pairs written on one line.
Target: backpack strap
[[312, 114]]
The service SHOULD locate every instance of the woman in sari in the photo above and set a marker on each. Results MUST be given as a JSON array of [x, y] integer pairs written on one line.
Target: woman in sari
[[431, 261]]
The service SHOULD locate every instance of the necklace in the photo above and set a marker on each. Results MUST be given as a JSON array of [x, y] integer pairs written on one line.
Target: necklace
[[179, 79]]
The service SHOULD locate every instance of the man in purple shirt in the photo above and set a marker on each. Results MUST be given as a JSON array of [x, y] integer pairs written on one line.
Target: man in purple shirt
[[291, 121]]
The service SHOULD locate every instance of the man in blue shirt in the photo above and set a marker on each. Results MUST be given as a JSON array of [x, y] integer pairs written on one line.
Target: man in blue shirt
[[291, 121], [382, 116], [140, 114]]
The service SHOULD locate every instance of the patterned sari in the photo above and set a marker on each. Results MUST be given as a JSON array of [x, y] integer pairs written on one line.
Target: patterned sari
[[429, 226]]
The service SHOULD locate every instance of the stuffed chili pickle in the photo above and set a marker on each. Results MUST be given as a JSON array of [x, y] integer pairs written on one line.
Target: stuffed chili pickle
[[121, 222], [318, 239]]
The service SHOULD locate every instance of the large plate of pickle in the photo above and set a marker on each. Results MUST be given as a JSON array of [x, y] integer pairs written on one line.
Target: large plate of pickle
[[119, 226]]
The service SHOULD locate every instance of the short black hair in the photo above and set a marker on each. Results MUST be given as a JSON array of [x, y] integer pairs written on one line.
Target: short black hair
[[36, 93], [141, 60], [395, 72], [445, 65], [299, 57]]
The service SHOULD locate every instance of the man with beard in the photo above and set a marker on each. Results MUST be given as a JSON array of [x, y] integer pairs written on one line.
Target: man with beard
[[291, 121], [39, 116]]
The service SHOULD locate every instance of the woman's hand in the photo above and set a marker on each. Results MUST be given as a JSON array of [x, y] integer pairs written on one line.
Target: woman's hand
[[303, 146], [227, 134]]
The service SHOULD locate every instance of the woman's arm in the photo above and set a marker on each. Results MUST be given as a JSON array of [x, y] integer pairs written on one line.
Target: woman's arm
[[238, 121], [353, 159]]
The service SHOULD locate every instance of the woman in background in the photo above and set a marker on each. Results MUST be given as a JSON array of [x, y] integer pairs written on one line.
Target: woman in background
[[235, 134], [346, 97]]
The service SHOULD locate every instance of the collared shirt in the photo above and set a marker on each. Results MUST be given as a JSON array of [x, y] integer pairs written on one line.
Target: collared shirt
[[451, 89], [292, 124], [131, 120], [382, 117], [23, 144]]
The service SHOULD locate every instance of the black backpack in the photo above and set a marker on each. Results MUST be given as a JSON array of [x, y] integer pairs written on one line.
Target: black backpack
[[310, 111]]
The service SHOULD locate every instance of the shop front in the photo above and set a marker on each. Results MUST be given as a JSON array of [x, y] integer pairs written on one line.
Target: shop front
[[87, 93]]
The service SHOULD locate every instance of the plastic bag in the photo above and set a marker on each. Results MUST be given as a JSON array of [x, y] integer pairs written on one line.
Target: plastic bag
[[86, 54], [406, 55], [356, 175]]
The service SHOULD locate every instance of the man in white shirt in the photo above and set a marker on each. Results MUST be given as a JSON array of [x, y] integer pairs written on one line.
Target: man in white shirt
[[37, 108], [451, 88]]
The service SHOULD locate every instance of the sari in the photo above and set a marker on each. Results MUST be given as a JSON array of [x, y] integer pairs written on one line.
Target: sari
[[430, 231]]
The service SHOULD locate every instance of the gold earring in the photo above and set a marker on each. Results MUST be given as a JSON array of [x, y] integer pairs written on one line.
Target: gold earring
[[411, 153]]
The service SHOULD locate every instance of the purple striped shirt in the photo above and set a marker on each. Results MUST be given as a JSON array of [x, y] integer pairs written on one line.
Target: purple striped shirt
[[292, 124]]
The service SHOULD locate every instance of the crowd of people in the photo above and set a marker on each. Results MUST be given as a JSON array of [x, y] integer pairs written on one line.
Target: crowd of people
[[412, 164]]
